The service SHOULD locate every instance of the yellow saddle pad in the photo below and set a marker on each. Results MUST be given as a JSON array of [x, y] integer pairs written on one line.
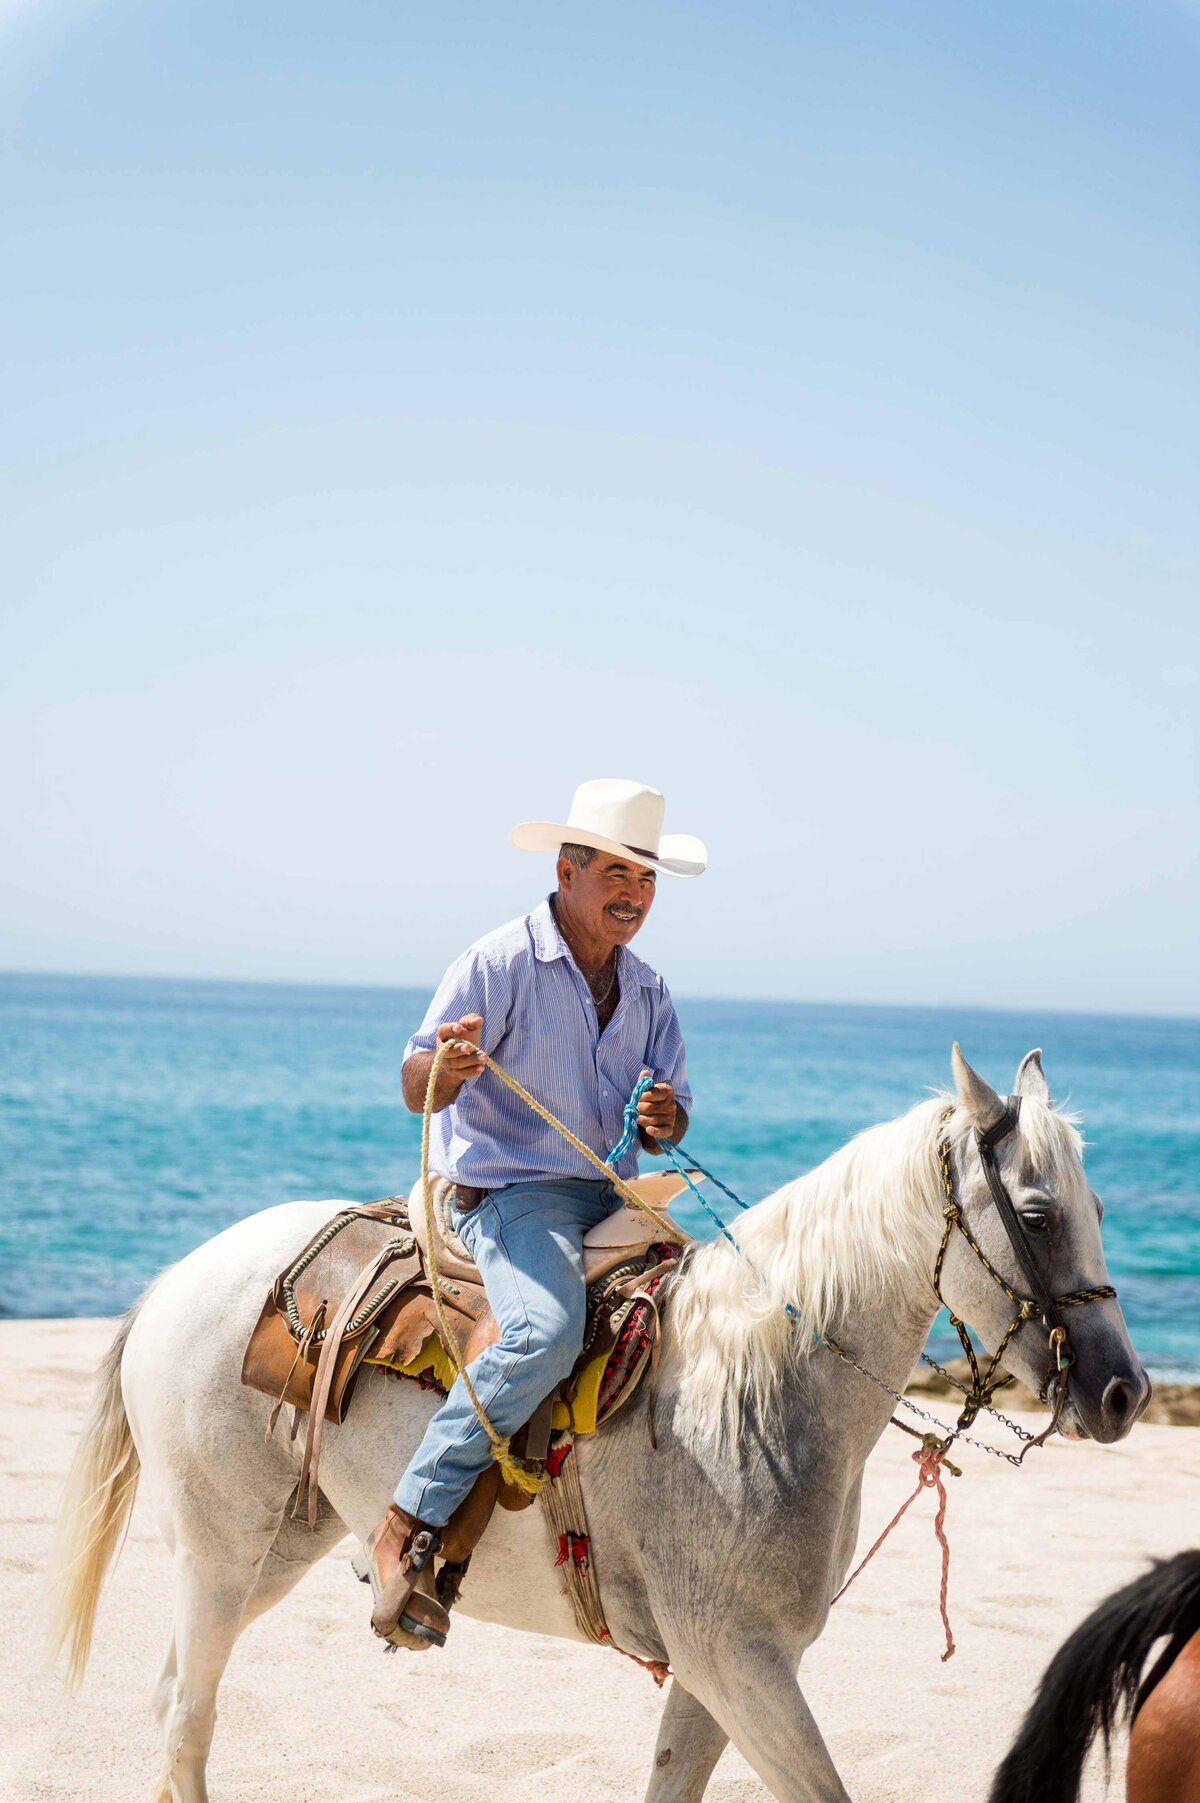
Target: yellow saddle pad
[[433, 1368]]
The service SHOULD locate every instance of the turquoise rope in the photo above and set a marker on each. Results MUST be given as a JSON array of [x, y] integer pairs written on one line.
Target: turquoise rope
[[672, 1151], [670, 1147], [629, 1121]]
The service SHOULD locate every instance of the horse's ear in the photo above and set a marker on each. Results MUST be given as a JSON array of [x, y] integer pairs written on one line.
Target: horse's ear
[[977, 1097], [1031, 1079]]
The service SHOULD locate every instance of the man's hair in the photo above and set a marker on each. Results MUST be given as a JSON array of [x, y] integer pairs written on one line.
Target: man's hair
[[579, 855]]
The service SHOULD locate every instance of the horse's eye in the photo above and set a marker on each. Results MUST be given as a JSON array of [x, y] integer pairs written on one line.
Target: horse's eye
[[1035, 1219]]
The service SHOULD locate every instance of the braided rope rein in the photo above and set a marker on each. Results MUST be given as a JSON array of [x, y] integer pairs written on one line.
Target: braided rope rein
[[518, 1472]]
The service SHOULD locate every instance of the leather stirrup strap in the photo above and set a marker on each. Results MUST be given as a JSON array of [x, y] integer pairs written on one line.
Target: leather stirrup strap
[[323, 1381], [541, 1424], [302, 1351]]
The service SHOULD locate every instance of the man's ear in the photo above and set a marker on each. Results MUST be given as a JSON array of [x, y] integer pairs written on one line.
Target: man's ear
[[565, 871]]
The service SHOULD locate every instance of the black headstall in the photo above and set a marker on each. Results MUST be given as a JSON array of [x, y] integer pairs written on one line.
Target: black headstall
[[1039, 1303]]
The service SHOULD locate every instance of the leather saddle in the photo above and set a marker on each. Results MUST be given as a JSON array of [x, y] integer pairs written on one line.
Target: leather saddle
[[361, 1292]]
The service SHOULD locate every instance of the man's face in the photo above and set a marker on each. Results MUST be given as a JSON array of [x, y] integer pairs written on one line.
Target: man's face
[[610, 899]]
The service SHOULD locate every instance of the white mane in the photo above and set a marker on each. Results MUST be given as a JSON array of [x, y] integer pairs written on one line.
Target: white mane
[[863, 1225]]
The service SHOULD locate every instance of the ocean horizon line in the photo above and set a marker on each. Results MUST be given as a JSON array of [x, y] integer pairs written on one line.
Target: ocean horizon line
[[338, 986]]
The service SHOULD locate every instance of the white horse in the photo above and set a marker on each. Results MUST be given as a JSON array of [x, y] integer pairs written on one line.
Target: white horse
[[762, 1435]]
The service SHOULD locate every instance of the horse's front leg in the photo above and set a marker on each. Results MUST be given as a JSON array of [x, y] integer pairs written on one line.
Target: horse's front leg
[[690, 1743], [752, 1690]]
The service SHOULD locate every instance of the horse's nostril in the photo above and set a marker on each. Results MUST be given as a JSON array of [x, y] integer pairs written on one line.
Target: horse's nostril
[[1120, 1401]]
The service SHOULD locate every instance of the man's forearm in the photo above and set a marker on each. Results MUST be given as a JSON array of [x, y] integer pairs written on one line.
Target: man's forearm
[[414, 1081], [651, 1145]]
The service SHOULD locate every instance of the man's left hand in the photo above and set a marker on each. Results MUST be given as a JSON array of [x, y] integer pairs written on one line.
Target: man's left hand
[[656, 1112]]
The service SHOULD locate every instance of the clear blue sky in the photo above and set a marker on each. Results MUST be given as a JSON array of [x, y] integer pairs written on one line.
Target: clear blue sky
[[411, 410]]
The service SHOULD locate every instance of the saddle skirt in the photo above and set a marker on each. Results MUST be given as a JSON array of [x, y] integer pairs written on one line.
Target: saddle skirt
[[360, 1292]]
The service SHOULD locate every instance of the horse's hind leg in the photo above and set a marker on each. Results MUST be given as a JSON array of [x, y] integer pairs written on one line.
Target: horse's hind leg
[[164, 1687], [210, 1597], [294, 1549], [216, 1595], [689, 1746]]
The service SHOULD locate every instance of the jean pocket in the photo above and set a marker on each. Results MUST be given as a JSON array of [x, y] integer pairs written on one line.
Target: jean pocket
[[465, 1221]]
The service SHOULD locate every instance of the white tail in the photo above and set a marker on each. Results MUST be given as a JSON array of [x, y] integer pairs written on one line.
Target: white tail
[[95, 1513]]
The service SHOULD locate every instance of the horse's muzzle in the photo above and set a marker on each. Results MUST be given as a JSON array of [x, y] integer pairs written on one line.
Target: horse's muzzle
[[1107, 1408]]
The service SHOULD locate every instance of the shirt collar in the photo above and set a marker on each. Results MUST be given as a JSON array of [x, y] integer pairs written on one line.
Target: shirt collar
[[549, 944]]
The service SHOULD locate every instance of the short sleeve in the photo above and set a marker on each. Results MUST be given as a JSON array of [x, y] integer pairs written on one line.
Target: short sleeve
[[666, 1055], [474, 984]]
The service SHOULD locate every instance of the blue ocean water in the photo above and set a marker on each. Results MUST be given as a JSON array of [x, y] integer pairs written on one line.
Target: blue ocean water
[[138, 1117]]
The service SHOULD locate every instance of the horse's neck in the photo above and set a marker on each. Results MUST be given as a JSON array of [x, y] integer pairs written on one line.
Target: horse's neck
[[847, 1253], [886, 1339]]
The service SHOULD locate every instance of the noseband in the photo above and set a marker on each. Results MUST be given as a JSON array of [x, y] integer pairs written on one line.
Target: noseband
[[984, 1385]]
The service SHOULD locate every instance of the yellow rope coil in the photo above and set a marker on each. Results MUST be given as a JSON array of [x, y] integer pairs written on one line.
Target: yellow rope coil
[[515, 1471]]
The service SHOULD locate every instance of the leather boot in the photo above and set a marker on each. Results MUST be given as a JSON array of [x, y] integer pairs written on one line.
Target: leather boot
[[399, 1557]]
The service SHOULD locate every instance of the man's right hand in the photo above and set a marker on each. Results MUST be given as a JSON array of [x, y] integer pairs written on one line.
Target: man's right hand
[[457, 1067], [459, 1064]]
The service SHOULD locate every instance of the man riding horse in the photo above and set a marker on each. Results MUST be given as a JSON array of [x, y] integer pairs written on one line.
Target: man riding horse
[[571, 1013]]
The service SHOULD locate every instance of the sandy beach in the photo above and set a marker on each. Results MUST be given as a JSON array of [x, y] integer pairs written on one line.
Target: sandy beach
[[310, 1709]]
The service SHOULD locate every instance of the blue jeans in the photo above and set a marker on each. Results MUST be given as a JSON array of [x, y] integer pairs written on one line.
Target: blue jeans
[[528, 1243]]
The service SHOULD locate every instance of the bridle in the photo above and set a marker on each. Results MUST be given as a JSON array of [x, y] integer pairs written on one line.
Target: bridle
[[1028, 1308]]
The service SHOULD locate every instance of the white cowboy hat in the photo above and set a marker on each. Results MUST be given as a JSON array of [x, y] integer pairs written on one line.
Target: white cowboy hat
[[623, 818]]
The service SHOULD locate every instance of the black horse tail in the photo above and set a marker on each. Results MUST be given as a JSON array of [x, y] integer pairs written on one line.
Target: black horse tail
[[1094, 1682]]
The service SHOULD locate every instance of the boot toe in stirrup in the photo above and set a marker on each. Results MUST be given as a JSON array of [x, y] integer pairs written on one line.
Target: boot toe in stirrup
[[406, 1613], [425, 1624]]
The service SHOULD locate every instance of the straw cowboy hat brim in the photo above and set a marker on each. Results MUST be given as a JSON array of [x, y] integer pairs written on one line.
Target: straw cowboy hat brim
[[624, 818]]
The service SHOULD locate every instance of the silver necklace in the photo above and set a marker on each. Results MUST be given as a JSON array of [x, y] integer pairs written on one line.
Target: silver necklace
[[590, 977]]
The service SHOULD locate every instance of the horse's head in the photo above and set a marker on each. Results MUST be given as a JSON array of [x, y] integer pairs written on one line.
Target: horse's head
[[1038, 1164]]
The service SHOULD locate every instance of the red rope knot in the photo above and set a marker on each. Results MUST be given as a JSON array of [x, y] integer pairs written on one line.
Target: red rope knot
[[929, 1461]]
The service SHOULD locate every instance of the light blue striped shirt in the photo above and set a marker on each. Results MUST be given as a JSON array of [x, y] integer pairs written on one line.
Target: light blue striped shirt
[[540, 1024]]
